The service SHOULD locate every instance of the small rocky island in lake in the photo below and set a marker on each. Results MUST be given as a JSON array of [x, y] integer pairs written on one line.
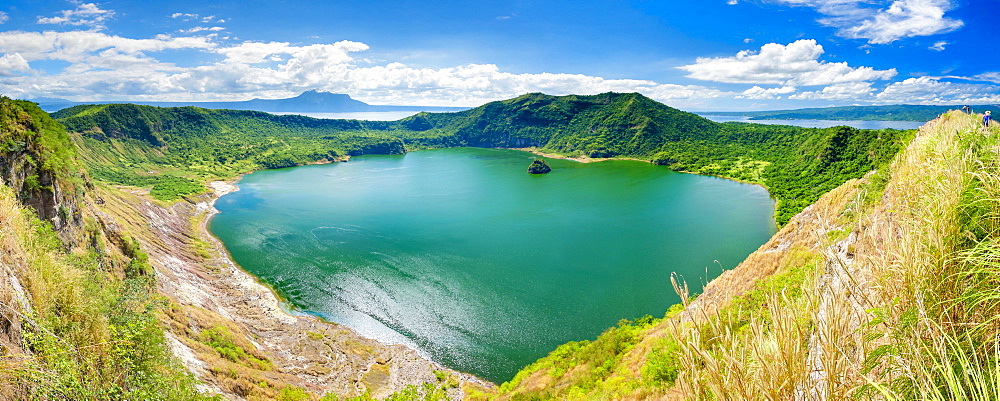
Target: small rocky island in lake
[[539, 166]]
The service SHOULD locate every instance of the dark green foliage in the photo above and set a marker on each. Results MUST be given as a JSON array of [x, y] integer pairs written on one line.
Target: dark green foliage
[[33, 142], [586, 363], [663, 363], [605, 125], [539, 166]]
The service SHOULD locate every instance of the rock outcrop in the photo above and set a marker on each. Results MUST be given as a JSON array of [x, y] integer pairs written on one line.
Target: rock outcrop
[[539, 166]]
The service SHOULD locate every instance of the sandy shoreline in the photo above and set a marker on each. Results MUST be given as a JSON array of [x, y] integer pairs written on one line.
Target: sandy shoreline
[[222, 188], [211, 291]]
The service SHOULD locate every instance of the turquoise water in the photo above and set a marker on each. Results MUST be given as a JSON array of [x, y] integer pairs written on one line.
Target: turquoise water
[[485, 268]]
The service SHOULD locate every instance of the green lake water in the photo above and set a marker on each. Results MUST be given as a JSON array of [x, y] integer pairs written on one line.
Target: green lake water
[[479, 265]]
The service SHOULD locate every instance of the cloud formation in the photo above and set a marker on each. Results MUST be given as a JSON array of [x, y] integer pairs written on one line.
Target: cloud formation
[[885, 23], [795, 64], [11, 63], [928, 90], [101, 64], [3, 17], [85, 14], [759, 93]]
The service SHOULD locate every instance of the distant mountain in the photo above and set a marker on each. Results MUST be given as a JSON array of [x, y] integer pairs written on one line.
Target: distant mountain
[[308, 102], [902, 112]]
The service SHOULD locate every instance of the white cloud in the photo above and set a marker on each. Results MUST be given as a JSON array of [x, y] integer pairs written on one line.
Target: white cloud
[[3, 17], [938, 46], [185, 16], [759, 93], [11, 63], [88, 14], [850, 91], [887, 21], [796, 64], [79, 46], [103, 64], [108, 67], [928, 90], [202, 29], [987, 76]]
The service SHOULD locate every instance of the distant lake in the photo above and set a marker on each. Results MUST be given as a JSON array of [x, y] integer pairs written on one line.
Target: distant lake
[[358, 115], [463, 255], [823, 123]]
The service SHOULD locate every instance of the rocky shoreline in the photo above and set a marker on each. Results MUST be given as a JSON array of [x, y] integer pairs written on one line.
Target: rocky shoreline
[[208, 290]]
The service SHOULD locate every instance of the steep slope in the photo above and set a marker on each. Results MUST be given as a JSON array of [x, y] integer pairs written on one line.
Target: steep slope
[[38, 161], [77, 304], [884, 289]]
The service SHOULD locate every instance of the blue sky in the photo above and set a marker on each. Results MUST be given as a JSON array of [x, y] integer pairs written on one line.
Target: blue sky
[[704, 55]]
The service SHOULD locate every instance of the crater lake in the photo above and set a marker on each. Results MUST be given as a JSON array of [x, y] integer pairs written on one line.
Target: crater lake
[[464, 256]]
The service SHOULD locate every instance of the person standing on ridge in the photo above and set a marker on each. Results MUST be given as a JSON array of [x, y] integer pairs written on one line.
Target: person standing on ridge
[[986, 119]]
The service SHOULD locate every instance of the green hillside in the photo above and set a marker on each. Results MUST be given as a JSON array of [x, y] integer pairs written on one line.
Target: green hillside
[[173, 150]]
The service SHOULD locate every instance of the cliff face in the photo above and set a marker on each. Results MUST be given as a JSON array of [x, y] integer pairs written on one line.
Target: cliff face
[[38, 160]]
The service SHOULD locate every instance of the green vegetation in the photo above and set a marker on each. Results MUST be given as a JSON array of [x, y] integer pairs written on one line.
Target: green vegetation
[[539, 166], [80, 322], [595, 369], [903, 112], [174, 150], [223, 342]]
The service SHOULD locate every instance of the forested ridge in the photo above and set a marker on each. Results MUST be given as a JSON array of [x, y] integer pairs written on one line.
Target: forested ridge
[[174, 150]]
